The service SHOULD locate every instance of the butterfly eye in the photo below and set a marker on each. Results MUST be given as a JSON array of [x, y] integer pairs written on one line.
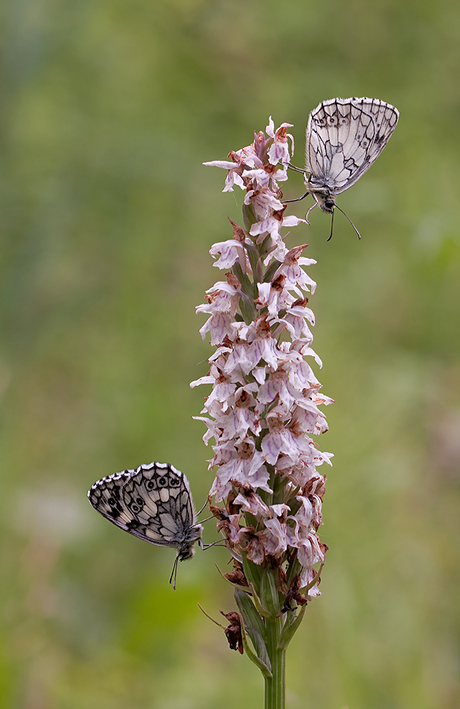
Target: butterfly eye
[[135, 508], [140, 501], [111, 501], [162, 481], [174, 482]]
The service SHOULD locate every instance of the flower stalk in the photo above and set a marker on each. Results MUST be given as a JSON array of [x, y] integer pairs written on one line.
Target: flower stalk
[[275, 685], [262, 412]]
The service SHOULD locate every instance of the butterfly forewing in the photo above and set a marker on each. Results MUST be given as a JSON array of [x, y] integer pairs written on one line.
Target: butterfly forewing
[[344, 137], [152, 502]]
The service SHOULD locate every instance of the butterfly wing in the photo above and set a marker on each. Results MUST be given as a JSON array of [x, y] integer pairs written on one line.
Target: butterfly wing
[[344, 137], [152, 502]]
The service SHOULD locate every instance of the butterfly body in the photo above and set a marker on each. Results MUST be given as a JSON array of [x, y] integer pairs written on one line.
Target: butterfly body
[[152, 502], [344, 137], [323, 196]]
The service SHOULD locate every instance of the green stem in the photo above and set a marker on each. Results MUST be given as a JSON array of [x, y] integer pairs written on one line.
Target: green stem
[[275, 685]]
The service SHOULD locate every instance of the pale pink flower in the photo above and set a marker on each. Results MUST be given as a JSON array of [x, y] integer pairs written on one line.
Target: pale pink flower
[[279, 151], [263, 406]]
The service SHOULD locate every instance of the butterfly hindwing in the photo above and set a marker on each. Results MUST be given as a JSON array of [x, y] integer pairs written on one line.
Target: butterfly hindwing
[[152, 502]]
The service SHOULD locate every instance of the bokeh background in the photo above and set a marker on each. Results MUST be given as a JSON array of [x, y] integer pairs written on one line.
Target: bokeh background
[[107, 110]]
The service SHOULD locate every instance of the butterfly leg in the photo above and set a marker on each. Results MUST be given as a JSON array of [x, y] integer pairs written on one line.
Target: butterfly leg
[[201, 510], [312, 207], [219, 543], [296, 169], [297, 199]]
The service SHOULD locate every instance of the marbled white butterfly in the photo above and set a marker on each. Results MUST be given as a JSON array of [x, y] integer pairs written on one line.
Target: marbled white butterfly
[[152, 502], [344, 137]]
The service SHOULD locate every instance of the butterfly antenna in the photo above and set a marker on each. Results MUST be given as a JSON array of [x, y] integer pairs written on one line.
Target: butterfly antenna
[[332, 225], [346, 215], [173, 577]]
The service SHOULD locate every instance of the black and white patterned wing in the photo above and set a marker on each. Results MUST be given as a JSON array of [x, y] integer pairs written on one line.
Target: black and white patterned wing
[[152, 502], [344, 137]]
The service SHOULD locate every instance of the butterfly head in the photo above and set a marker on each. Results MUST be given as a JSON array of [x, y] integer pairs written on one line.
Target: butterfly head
[[325, 201], [321, 193], [323, 197], [186, 549], [186, 552]]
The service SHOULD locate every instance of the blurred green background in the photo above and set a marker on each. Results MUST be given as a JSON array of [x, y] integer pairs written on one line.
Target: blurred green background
[[107, 110]]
